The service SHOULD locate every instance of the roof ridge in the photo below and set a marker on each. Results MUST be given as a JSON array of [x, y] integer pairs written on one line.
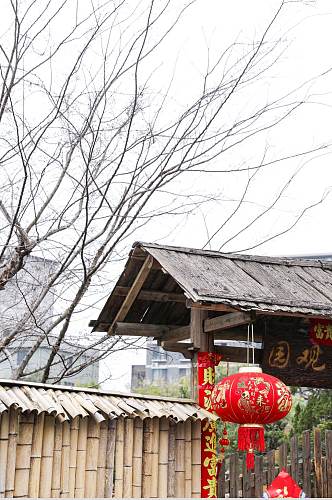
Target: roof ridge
[[101, 392], [282, 260]]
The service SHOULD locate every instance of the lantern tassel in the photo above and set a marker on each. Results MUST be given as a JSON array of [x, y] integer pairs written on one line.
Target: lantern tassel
[[251, 436], [250, 460]]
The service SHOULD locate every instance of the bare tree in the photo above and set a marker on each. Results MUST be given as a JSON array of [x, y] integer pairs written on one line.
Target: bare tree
[[91, 151]]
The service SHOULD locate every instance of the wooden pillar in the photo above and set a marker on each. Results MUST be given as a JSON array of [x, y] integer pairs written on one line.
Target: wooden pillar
[[202, 342]]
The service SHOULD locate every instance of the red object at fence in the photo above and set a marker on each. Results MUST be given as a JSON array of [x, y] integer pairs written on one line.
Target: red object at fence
[[206, 363], [251, 398], [284, 486]]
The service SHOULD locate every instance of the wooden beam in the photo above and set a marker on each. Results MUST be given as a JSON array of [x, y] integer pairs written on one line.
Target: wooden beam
[[228, 321], [177, 333], [133, 292], [237, 354], [151, 295], [210, 307], [140, 330]]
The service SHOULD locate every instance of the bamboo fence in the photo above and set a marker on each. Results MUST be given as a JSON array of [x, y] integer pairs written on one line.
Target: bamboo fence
[[43, 456]]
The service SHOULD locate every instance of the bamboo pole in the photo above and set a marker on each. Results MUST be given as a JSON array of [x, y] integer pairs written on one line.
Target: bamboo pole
[[163, 457], [137, 458], [91, 458], [179, 460], [187, 459], [196, 459], [23, 455], [47, 458], [11, 454], [65, 460], [36, 454], [110, 453], [74, 427], [147, 458], [155, 458], [128, 458], [171, 460], [4, 433], [81, 457], [101, 463], [119, 449], [56, 462]]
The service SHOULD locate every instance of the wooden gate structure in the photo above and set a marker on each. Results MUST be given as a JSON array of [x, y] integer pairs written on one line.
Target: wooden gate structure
[[198, 301], [308, 458]]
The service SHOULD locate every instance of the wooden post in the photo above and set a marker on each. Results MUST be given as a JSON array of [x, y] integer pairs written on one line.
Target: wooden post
[[201, 341], [318, 472], [294, 458], [328, 441], [306, 453]]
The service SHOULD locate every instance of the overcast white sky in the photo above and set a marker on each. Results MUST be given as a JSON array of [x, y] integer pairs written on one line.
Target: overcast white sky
[[307, 39]]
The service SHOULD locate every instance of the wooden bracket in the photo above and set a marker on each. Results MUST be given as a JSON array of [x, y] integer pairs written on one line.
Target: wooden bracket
[[133, 292]]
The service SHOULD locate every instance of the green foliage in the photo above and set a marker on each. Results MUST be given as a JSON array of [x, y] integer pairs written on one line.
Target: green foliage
[[177, 390], [316, 411]]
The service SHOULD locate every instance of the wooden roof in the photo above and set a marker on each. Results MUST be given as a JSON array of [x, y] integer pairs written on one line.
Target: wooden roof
[[272, 285], [67, 403]]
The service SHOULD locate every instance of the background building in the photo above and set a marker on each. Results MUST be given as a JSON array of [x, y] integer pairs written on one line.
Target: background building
[[16, 300], [161, 368]]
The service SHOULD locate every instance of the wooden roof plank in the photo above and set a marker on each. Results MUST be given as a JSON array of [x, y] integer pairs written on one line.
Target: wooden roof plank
[[133, 292]]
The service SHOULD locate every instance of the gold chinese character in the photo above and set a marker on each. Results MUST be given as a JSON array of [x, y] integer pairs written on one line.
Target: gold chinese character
[[328, 332], [211, 443], [207, 400], [211, 462], [211, 487], [208, 375], [309, 358], [319, 331], [279, 355]]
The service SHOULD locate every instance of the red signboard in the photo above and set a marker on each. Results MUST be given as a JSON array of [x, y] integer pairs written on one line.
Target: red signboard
[[206, 363], [320, 331]]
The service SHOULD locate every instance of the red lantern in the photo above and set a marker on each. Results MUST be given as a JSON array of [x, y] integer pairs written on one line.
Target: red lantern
[[251, 398]]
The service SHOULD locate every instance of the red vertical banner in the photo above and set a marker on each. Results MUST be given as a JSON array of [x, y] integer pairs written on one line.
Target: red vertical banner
[[206, 363]]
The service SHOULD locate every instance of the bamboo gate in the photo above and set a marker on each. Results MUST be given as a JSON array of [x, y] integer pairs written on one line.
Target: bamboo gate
[[308, 459], [62, 443]]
